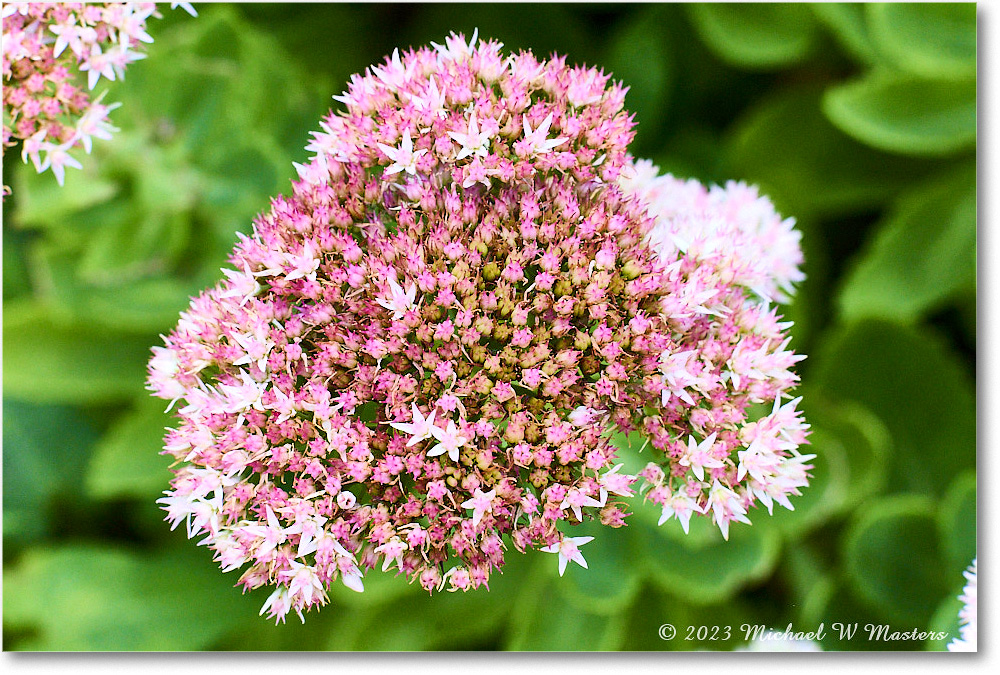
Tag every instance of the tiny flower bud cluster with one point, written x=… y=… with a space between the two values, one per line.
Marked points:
x=416 y=358
x=45 y=46
x=727 y=254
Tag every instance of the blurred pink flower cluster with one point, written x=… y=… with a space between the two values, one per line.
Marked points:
x=421 y=354
x=46 y=45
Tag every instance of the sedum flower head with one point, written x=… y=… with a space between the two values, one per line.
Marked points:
x=968 y=621
x=725 y=423
x=412 y=365
x=47 y=48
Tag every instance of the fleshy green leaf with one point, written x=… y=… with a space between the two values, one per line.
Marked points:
x=918 y=389
x=126 y=461
x=957 y=523
x=148 y=305
x=41 y=202
x=905 y=114
x=544 y=620
x=932 y=39
x=786 y=145
x=921 y=255
x=945 y=620
x=45 y=448
x=846 y=20
x=697 y=627
x=893 y=558
x=852 y=624
x=611 y=580
x=443 y=620
x=755 y=35
x=95 y=598
x=639 y=57
x=15 y=268
x=45 y=362
x=701 y=574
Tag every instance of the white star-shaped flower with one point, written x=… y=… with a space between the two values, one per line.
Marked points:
x=575 y=499
x=474 y=142
x=399 y=302
x=449 y=440
x=454 y=48
x=480 y=503
x=186 y=6
x=680 y=506
x=420 y=427
x=537 y=141
x=698 y=458
x=725 y=506
x=403 y=158
x=615 y=483
x=569 y=549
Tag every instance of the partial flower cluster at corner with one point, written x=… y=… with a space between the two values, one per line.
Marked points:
x=968 y=616
x=47 y=46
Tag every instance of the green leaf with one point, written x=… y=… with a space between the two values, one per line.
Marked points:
x=45 y=450
x=95 y=598
x=755 y=35
x=905 y=114
x=149 y=305
x=846 y=20
x=806 y=165
x=46 y=362
x=696 y=572
x=852 y=625
x=918 y=389
x=544 y=620
x=945 y=620
x=892 y=555
x=126 y=461
x=957 y=523
x=15 y=269
x=695 y=625
x=931 y=39
x=611 y=580
x=41 y=202
x=443 y=620
x=922 y=254
x=639 y=57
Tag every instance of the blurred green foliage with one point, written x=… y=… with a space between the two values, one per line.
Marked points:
x=858 y=120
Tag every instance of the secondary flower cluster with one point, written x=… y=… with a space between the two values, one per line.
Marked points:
x=419 y=354
x=727 y=255
x=45 y=45
x=968 y=616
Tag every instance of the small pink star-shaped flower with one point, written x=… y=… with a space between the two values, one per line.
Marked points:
x=698 y=458
x=473 y=142
x=420 y=428
x=680 y=506
x=450 y=440
x=403 y=158
x=399 y=301
x=536 y=140
x=480 y=503
x=569 y=549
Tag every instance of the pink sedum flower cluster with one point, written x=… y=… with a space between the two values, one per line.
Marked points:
x=727 y=255
x=46 y=48
x=418 y=357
